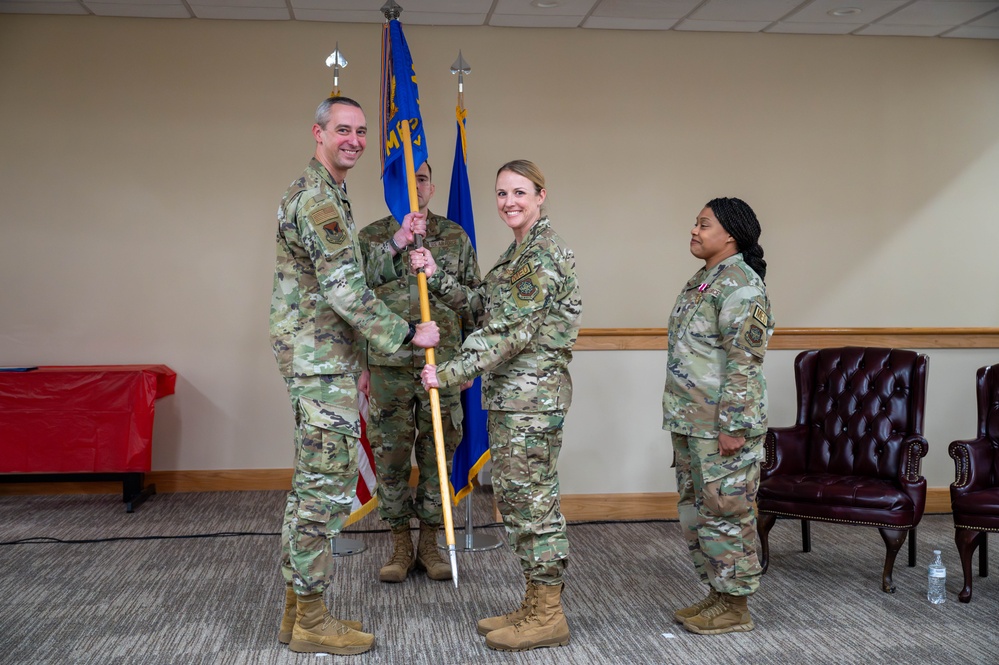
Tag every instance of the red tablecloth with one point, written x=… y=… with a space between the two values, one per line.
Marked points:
x=86 y=419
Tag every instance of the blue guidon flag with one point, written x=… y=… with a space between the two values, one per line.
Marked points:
x=473 y=451
x=400 y=103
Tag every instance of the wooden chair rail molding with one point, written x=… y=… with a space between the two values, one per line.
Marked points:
x=575 y=507
x=654 y=339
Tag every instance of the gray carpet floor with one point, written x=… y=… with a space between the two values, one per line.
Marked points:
x=218 y=599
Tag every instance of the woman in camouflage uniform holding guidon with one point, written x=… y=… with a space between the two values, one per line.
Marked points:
x=527 y=318
x=715 y=406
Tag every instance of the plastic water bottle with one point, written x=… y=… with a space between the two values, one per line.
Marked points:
x=937 y=580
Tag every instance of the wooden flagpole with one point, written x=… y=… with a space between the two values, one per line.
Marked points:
x=435 y=398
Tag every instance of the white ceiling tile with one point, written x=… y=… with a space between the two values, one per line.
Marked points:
x=610 y=23
x=939 y=12
x=741 y=10
x=242 y=13
x=443 y=7
x=817 y=11
x=577 y=8
x=644 y=9
x=135 y=3
x=23 y=7
x=367 y=6
x=433 y=18
x=339 y=16
x=520 y=21
x=814 y=28
x=901 y=30
x=989 y=21
x=138 y=11
x=722 y=26
x=237 y=3
x=975 y=32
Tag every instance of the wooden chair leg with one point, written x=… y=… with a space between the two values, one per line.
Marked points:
x=765 y=522
x=806 y=536
x=966 y=540
x=983 y=555
x=912 y=547
x=893 y=543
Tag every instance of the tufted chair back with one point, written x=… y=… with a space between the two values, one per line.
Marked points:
x=988 y=414
x=860 y=403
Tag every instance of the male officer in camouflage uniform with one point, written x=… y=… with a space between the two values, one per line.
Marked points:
x=321 y=314
x=715 y=405
x=400 y=416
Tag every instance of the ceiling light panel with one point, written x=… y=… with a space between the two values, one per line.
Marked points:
x=819 y=11
x=578 y=8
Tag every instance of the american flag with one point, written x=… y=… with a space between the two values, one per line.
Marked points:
x=365 y=499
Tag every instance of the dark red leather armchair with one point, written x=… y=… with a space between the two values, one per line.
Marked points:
x=974 y=495
x=853 y=455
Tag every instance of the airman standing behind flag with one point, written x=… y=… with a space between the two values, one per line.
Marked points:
x=322 y=314
x=715 y=406
x=400 y=418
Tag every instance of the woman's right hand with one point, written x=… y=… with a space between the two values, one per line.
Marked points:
x=422 y=258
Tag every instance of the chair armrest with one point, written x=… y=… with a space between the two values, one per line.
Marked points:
x=972 y=465
x=785 y=451
x=914 y=449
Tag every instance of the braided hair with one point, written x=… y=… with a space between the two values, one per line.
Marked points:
x=739 y=220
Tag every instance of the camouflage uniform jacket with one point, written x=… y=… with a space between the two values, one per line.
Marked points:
x=321 y=301
x=394 y=285
x=527 y=314
x=718 y=334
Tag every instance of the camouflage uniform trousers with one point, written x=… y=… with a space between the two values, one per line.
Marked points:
x=524 y=449
x=400 y=420
x=717 y=513
x=324 y=480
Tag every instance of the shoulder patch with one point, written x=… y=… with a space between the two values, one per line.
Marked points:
x=526 y=290
x=760 y=314
x=521 y=273
x=328 y=225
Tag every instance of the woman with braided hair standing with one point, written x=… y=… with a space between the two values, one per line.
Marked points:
x=715 y=407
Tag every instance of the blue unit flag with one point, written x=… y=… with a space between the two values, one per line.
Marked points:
x=400 y=103
x=473 y=451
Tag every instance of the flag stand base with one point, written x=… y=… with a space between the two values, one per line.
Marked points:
x=346 y=546
x=470 y=542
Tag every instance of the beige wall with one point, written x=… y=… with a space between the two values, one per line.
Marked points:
x=143 y=161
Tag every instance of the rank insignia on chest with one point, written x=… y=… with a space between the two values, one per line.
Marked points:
x=754 y=335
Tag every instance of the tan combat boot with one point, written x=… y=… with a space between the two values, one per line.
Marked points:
x=402 y=560
x=486 y=626
x=291 y=610
x=316 y=631
x=729 y=615
x=697 y=608
x=428 y=557
x=544 y=625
